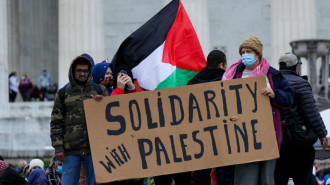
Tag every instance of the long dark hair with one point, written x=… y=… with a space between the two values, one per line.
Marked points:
x=12 y=74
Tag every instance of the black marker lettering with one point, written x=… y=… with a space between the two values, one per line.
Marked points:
x=254 y=95
x=194 y=135
x=160 y=111
x=151 y=124
x=210 y=129
x=109 y=165
x=143 y=152
x=192 y=101
x=243 y=135
x=224 y=101
x=116 y=157
x=184 y=146
x=159 y=147
x=257 y=145
x=175 y=158
x=174 y=98
x=227 y=136
x=238 y=99
x=111 y=118
x=124 y=152
x=131 y=103
x=207 y=101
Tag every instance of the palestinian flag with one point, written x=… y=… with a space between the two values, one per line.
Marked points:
x=162 y=53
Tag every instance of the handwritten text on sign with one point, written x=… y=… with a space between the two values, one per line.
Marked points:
x=180 y=129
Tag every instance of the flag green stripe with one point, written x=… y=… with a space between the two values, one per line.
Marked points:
x=179 y=77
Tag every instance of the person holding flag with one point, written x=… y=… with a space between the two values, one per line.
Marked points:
x=102 y=74
x=164 y=52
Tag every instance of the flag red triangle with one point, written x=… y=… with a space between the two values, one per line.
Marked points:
x=182 y=48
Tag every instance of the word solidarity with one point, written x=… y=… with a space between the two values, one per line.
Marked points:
x=180 y=129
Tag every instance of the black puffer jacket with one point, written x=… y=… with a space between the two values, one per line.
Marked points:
x=303 y=114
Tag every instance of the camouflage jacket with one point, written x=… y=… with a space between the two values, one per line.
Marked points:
x=68 y=131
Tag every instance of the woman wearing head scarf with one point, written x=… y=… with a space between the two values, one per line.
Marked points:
x=103 y=74
x=280 y=94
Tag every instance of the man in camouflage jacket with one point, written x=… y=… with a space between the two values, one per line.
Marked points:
x=68 y=130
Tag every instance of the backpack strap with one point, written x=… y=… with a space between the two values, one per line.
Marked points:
x=97 y=88
x=61 y=94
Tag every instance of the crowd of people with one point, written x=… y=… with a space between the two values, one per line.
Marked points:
x=297 y=122
x=32 y=173
x=44 y=90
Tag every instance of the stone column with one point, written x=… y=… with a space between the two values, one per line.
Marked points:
x=291 y=20
x=197 y=11
x=81 y=30
x=325 y=75
x=312 y=56
x=4 y=96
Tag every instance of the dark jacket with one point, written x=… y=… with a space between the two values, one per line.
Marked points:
x=207 y=74
x=25 y=86
x=38 y=177
x=303 y=114
x=283 y=97
x=11 y=177
x=68 y=130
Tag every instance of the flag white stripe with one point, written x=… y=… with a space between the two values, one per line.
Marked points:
x=151 y=71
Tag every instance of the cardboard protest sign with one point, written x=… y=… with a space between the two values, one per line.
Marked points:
x=180 y=129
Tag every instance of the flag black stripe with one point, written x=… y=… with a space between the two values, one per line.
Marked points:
x=141 y=43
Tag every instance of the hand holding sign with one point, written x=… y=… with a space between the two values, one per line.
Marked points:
x=180 y=129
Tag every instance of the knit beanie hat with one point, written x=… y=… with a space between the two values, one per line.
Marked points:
x=99 y=71
x=252 y=42
x=3 y=166
x=36 y=162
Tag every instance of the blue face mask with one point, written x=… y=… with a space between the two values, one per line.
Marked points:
x=59 y=169
x=248 y=59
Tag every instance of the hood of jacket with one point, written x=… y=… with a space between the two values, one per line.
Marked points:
x=207 y=74
x=72 y=68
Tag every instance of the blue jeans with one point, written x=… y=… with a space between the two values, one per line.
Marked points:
x=225 y=176
x=71 y=169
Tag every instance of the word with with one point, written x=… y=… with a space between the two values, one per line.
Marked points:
x=120 y=159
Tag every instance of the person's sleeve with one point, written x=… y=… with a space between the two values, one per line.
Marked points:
x=30 y=85
x=50 y=80
x=283 y=93
x=132 y=91
x=12 y=81
x=310 y=110
x=104 y=91
x=57 y=125
x=117 y=91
